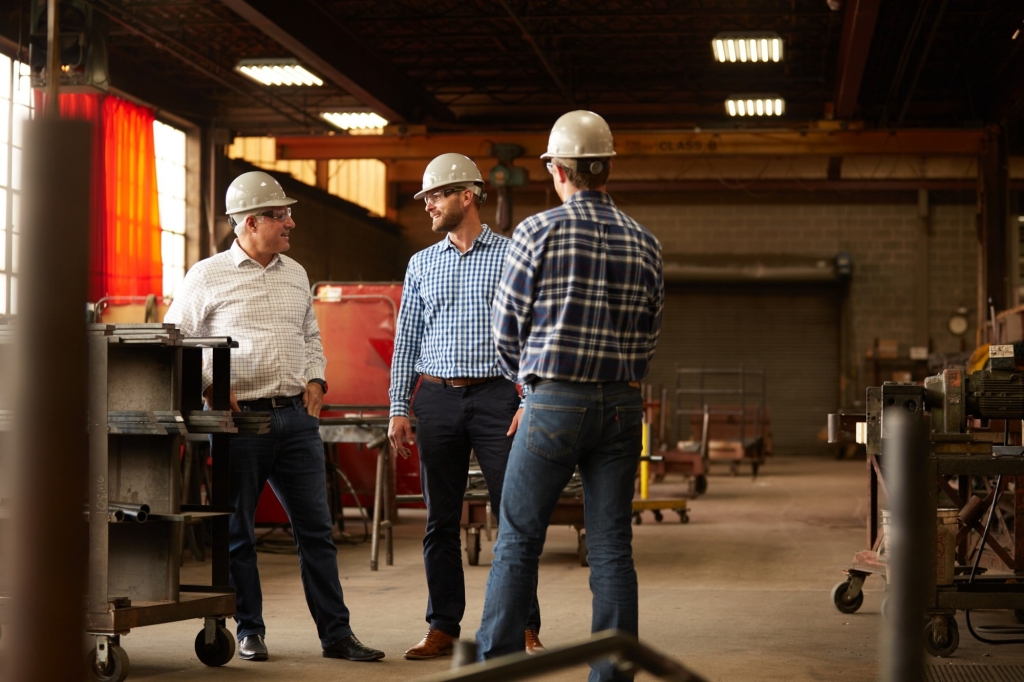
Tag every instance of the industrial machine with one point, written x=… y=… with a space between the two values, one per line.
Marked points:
x=962 y=460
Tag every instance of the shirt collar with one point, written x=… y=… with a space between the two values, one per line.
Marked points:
x=239 y=256
x=592 y=196
x=485 y=237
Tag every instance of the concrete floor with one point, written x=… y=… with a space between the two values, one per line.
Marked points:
x=739 y=593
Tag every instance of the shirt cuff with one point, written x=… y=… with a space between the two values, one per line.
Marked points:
x=399 y=410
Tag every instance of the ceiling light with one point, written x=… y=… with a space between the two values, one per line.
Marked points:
x=755 y=105
x=355 y=120
x=736 y=46
x=277 y=72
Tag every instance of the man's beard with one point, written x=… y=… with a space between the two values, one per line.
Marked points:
x=450 y=219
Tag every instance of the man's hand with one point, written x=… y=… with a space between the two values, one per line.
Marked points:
x=515 y=422
x=313 y=398
x=208 y=399
x=400 y=433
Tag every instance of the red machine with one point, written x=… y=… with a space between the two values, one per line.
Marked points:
x=357 y=328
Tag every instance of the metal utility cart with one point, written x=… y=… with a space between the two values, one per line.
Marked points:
x=956 y=459
x=726 y=407
x=145 y=384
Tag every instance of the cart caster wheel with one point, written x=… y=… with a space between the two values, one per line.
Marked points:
x=941 y=648
x=844 y=604
x=637 y=520
x=657 y=516
x=702 y=485
x=684 y=516
x=473 y=548
x=116 y=669
x=220 y=652
x=582 y=550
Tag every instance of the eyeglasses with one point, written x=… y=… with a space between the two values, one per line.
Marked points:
x=439 y=194
x=277 y=213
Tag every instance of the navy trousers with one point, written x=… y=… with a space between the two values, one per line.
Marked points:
x=449 y=423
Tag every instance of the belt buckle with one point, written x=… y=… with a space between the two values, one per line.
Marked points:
x=274 y=402
x=458 y=383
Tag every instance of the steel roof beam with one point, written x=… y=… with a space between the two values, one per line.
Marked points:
x=314 y=36
x=858 y=28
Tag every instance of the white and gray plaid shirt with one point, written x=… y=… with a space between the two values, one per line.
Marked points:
x=268 y=311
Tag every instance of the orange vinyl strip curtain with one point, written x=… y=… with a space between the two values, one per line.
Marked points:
x=124 y=258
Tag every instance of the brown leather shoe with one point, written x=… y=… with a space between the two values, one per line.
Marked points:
x=533 y=645
x=434 y=644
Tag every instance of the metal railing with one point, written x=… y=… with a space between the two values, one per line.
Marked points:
x=626 y=651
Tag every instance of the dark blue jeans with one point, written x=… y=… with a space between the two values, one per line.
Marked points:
x=449 y=423
x=291 y=459
x=598 y=428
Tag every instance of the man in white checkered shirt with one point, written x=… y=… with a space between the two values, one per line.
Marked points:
x=463 y=403
x=261 y=299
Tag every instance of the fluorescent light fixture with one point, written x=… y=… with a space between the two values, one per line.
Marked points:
x=355 y=120
x=277 y=72
x=737 y=46
x=755 y=105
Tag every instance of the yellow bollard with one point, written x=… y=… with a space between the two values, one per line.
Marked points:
x=645 y=464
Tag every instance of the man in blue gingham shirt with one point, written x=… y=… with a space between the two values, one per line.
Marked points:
x=576 y=318
x=463 y=402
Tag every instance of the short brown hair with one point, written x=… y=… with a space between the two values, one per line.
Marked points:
x=582 y=178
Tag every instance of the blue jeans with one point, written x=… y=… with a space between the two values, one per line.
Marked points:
x=597 y=427
x=449 y=423
x=291 y=459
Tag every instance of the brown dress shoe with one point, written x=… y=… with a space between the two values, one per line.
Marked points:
x=434 y=644
x=533 y=645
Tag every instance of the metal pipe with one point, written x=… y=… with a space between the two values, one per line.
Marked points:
x=52 y=351
x=903 y=447
x=378 y=494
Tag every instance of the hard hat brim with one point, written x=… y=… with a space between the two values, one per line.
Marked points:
x=550 y=155
x=270 y=203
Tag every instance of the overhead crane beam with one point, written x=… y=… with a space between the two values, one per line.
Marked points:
x=931 y=142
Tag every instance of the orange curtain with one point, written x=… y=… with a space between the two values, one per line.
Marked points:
x=134 y=266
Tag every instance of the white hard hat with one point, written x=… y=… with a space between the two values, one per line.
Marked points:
x=580 y=135
x=451 y=169
x=254 y=190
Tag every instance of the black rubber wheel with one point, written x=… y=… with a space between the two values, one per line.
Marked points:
x=637 y=520
x=220 y=652
x=702 y=485
x=842 y=603
x=1018 y=615
x=473 y=548
x=581 y=549
x=684 y=516
x=658 y=516
x=941 y=649
x=116 y=669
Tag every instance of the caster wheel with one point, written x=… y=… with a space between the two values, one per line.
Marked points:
x=582 y=550
x=945 y=646
x=637 y=520
x=684 y=516
x=842 y=602
x=702 y=485
x=1018 y=615
x=116 y=669
x=220 y=652
x=473 y=549
x=657 y=516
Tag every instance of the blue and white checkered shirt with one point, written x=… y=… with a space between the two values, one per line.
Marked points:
x=444 y=324
x=581 y=295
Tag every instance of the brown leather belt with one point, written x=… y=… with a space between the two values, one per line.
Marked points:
x=459 y=382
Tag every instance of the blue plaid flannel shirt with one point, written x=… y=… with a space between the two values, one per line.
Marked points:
x=581 y=295
x=444 y=320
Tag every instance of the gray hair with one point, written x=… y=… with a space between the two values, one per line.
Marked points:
x=239 y=222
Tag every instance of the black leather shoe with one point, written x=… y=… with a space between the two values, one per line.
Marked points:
x=352 y=649
x=253 y=648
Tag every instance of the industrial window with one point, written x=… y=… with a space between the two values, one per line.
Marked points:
x=15 y=109
x=169 y=143
x=361 y=181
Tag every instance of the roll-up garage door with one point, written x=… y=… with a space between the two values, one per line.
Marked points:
x=789 y=330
